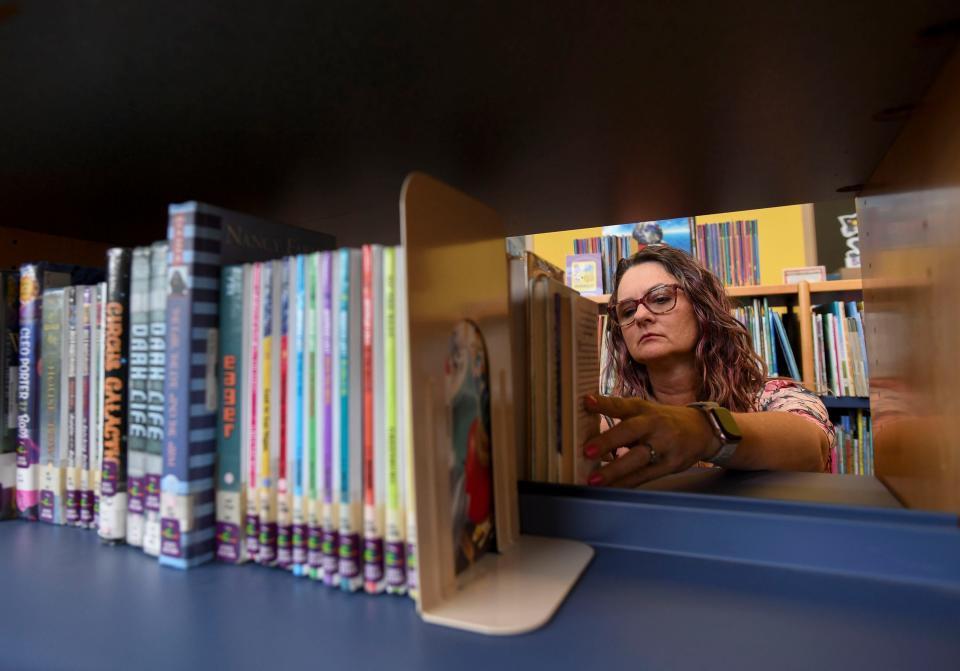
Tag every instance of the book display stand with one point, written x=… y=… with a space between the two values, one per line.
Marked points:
x=455 y=247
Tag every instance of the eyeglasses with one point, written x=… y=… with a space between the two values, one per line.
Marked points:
x=659 y=300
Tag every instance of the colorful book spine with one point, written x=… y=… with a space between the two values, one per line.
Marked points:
x=52 y=476
x=9 y=337
x=266 y=492
x=350 y=408
x=299 y=387
x=99 y=399
x=86 y=304
x=313 y=426
x=251 y=532
x=287 y=435
x=229 y=491
x=374 y=420
x=394 y=522
x=156 y=400
x=113 y=483
x=137 y=407
x=404 y=425
x=330 y=454
x=28 y=390
x=69 y=359
x=187 y=524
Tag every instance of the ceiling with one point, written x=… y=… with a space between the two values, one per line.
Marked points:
x=559 y=115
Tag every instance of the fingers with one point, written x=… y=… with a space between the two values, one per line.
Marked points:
x=629 y=432
x=638 y=477
x=636 y=459
x=615 y=406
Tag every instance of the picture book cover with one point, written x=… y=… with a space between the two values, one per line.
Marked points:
x=471 y=469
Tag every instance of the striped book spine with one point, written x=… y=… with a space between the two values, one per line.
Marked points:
x=28 y=390
x=313 y=420
x=86 y=301
x=187 y=492
x=329 y=461
x=300 y=387
x=139 y=371
x=251 y=531
x=156 y=401
x=52 y=507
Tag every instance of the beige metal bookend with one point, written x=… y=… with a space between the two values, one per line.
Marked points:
x=457 y=274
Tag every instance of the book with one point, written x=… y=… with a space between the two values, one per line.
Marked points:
x=69 y=360
x=296 y=415
x=785 y=345
x=156 y=400
x=137 y=381
x=312 y=421
x=9 y=336
x=254 y=413
x=230 y=507
x=113 y=483
x=286 y=436
x=374 y=419
x=86 y=307
x=53 y=414
x=99 y=400
x=394 y=556
x=329 y=455
x=268 y=424
x=584 y=366
x=349 y=407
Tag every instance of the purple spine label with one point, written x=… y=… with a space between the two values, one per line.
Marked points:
x=411 y=566
x=395 y=561
x=228 y=542
x=135 y=496
x=315 y=546
x=268 y=543
x=96 y=509
x=284 y=547
x=73 y=507
x=251 y=533
x=108 y=483
x=331 y=562
x=373 y=559
x=46 y=506
x=170 y=538
x=349 y=566
x=86 y=508
x=152 y=495
x=299 y=544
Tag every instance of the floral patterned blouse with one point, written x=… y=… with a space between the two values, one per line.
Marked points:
x=780 y=395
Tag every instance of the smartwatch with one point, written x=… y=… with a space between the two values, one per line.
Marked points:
x=725 y=427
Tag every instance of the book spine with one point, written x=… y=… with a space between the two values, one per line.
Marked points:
x=86 y=302
x=52 y=507
x=313 y=421
x=375 y=468
x=187 y=524
x=266 y=542
x=113 y=483
x=404 y=423
x=252 y=522
x=300 y=387
x=137 y=408
x=287 y=402
x=9 y=337
x=156 y=401
x=350 y=372
x=229 y=490
x=69 y=361
x=329 y=282
x=394 y=554
x=100 y=399
x=28 y=390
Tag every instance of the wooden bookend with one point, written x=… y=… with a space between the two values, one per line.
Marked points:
x=457 y=272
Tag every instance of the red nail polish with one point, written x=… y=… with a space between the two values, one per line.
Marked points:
x=591 y=451
x=595 y=479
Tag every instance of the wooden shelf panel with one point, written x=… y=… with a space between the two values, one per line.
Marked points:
x=773 y=289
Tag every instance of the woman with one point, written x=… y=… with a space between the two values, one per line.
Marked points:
x=673 y=342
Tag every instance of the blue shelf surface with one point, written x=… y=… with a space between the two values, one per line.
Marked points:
x=72 y=603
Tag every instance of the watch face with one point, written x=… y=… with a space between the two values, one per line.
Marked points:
x=727 y=423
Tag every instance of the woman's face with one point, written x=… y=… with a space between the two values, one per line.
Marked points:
x=657 y=338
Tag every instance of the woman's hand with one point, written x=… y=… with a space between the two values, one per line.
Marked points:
x=662 y=439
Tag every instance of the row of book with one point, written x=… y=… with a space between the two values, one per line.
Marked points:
x=853 y=452
x=769 y=337
x=611 y=248
x=731 y=249
x=313 y=449
x=840 y=350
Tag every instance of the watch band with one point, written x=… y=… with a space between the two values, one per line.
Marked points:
x=725 y=428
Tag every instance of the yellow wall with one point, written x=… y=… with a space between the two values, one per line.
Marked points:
x=780 y=230
x=554 y=247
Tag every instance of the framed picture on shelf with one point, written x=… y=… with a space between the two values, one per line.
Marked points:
x=804 y=274
x=585 y=274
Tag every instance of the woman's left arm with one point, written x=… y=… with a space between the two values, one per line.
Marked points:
x=667 y=439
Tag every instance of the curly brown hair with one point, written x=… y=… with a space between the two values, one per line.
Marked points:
x=731 y=373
